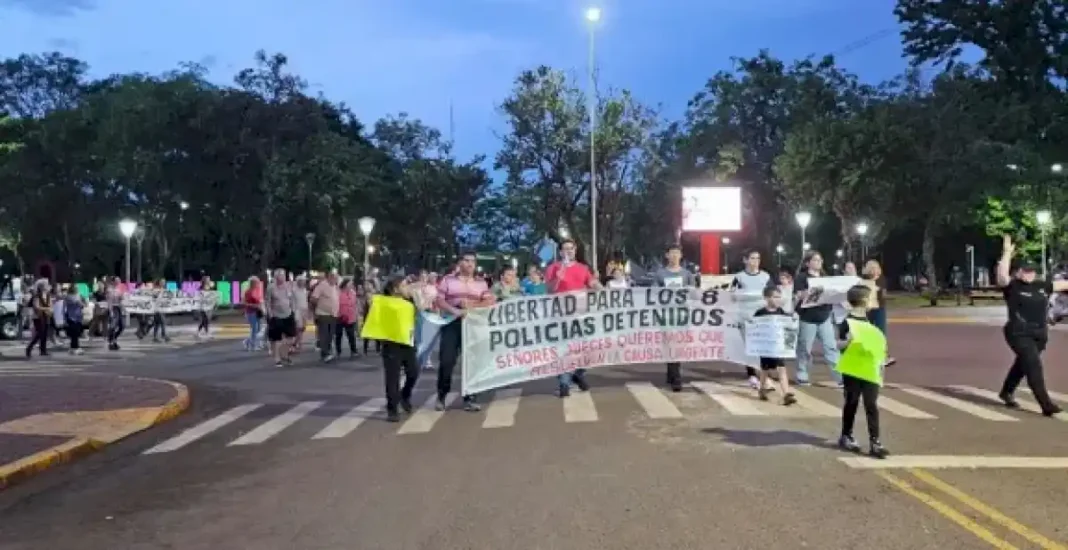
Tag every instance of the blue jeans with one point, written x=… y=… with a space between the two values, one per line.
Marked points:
x=878 y=318
x=565 y=379
x=807 y=334
x=253 y=328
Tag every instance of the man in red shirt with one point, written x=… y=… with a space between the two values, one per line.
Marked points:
x=568 y=275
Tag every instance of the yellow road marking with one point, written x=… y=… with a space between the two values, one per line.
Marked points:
x=988 y=511
x=948 y=512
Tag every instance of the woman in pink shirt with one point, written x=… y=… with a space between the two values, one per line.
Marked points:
x=253 y=301
x=346 y=317
x=456 y=294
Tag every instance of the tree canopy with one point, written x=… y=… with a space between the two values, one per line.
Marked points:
x=234 y=179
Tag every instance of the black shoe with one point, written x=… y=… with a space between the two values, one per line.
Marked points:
x=789 y=399
x=848 y=444
x=29 y=353
x=406 y=404
x=113 y=346
x=763 y=393
x=392 y=416
x=565 y=391
x=877 y=450
x=1053 y=411
x=676 y=386
x=580 y=381
x=1009 y=400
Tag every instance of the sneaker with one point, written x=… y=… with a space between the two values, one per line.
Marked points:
x=279 y=364
x=580 y=381
x=848 y=444
x=440 y=405
x=472 y=406
x=676 y=386
x=392 y=416
x=406 y=404
x=789 y=399
x=79 y=351
x=802 y=382
x=763 y=393
x=877 y=450
x=1009 y=400
x=754 y=382
x=1052 y=412
x=564 y=391
x=890 y=361
x=113 y=346
x=328 y=358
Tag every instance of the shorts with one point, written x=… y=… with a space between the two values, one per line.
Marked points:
x=281 y=327
x=771 y=363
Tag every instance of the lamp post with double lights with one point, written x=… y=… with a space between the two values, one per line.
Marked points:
x=803 y=219
x=367 y=225
x=1044 y=217
x=593 y=17
x=862 y=232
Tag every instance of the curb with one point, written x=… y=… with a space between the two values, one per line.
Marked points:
x=79 y=447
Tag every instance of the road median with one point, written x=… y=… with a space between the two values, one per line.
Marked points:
x=52 y=420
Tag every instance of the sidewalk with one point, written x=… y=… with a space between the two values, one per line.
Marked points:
x=49 y=420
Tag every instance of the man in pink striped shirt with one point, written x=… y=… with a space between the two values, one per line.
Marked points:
x=457 y=293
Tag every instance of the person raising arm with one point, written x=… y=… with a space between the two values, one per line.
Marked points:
x=569 y=275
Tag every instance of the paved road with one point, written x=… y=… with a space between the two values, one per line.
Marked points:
x=300 y=458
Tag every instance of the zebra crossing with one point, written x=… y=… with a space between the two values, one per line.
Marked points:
x=60 y=361
x=265 y=422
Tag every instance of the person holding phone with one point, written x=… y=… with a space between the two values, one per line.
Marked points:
x=569 y=275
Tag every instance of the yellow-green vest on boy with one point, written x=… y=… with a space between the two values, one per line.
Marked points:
x=865 y=355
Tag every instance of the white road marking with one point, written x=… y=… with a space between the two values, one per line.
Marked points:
x=579 y=407
x=1058 y=396
x=903 y=409
x=993 y=397
x=203 y=429
x=726 y=398
x=501 y=411
x=815 y=406
x=655 y=403
x=275 y=425
x=345 y=424
x=423 y=419
x=958 y=404
x=935 y=462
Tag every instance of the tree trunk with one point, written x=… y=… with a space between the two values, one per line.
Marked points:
x=930 y=233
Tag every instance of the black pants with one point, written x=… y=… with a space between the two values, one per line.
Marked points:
x=367 y=346
x=205 y=322
x=159 y=326
x=855 y=389
x=74 y=332
x=349 y=330
x=324 y=331
x=1028 y=345
x=448 y=354
x=116 y=324
x=41 y=326
x=674 y=374
x=394 y=358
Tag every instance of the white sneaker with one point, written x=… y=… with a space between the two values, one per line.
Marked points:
x=754 y=382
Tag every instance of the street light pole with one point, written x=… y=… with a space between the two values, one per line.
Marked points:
x=862 y=230
x=310 y=239
x=778 y=256
x=803 y=219
x=593 y=15
x=726 y=258
x=1044 y=217
x=140 y=254
x=367 y=225
x=127 y=227
x=182 y=206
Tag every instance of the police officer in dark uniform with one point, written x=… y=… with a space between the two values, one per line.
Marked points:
x=1026 y=330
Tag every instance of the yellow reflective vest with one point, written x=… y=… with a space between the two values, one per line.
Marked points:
x=390 y=319
x=865 y=355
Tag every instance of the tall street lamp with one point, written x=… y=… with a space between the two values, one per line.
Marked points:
x=726 y=259
x=803 y=219
x=778 y=256
x=344 y=260
x=593 y=16
x=182 y=207
x=862 y=231
x=127 y=227
x=367 y=225
x=310 y=239
x=1043 y=217
x=1057 y=168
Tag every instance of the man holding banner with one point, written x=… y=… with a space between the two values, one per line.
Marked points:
x=569 y=275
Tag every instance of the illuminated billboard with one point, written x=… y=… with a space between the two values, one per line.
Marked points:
x=711 y=209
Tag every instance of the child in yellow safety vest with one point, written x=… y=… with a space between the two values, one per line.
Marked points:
x=861 y=366
x=391 y=320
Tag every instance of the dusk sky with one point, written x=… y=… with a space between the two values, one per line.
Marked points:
x=387 y=56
